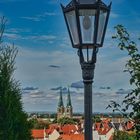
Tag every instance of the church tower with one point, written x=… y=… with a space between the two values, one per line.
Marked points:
x=60 y=108
x=68 y=109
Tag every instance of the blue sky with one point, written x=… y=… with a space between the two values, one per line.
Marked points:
x=46 y=59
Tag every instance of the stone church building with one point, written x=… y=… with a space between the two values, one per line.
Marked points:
x=64 y=111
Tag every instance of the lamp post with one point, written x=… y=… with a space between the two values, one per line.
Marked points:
x=86 y=22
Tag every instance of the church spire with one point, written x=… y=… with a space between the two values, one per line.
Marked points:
x=69 y=99
x=60 y=103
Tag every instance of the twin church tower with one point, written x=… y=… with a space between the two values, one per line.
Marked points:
x=64 y=111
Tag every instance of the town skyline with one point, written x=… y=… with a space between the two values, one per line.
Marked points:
x=47 y=61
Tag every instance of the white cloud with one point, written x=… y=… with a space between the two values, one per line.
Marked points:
x=39 y=17
x=114 y=15
x=48 y=101
x=33 y=66
x=110 y=72
x=17 y=30
x=41 y=37
x=12 y=36
x=32 y=18
x=33 y=69
x=50 y=14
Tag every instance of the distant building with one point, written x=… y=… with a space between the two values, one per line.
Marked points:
x=68 y=109
x=60 y=108
x=103 y=130
x=45 y=134
x=64 y=111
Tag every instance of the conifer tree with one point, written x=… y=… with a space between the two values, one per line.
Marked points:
x=13 y=120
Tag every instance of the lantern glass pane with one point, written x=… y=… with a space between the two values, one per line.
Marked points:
x=87 y=18
x=71 y=19
x=101 y=26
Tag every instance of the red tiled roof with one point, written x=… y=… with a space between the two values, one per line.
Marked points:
x=49 y=131
x=103 y=127
x=73 y=137
x=97 y=126
x=54 y=126
x=38 y=133
x=129 y=125
x=69 y=129
x=104 y=131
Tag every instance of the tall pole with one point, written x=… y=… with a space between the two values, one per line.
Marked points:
x=88 y=75
x=79 y=40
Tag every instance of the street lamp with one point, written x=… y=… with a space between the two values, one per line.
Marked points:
x=86 y=22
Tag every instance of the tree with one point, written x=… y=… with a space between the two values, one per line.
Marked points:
x=13 y=120
x=120 y=135
x=66 y=120
x=132 y=100
x=39 y=124
x=96 y=119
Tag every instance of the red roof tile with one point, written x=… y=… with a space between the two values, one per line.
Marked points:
x=97 y=126
x=72 y=137
x=129 y=125
x=49 y=131
x=38 y=133
x=69 y=129
x=104 y=131
x=54 y=126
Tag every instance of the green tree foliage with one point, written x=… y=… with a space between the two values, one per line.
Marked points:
x=36 y=124
x=13 y=121
x=120 y=135
x=54 y=115
x=66 y=120
x=132 y=100
x=96 y=119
